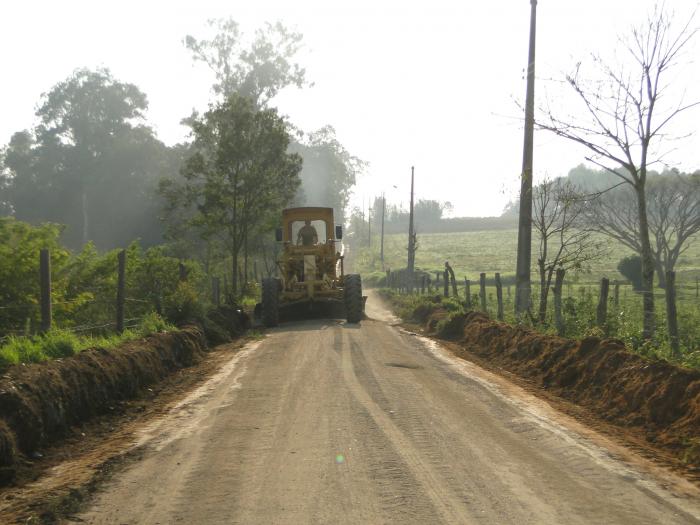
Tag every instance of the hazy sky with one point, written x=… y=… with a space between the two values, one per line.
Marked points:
x=430 y=84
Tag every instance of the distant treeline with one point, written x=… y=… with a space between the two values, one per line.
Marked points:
x=457 y=224
x=428 y=218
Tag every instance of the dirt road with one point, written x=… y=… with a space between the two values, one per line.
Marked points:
x=323 y=422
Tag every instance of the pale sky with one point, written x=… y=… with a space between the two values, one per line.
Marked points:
x=429 y=84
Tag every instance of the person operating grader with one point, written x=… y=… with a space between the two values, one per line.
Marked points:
x=307 y=234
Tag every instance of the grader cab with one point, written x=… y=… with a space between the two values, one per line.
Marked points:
x=311 y=273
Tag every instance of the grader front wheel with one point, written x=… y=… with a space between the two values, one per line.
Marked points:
x=270 y=302
x=353 y=298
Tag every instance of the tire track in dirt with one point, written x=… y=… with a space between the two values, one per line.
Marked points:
x=450 y=509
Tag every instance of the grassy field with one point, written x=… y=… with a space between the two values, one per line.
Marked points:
x=471 y=253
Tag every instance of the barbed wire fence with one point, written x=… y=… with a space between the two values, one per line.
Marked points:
x=609 y=298
x=42 y=312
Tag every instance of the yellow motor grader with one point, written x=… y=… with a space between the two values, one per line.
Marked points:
x=311 y=273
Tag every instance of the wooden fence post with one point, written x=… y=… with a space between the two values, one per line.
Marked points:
x=672 y=314
x=467 y=293
x=558 y=287
x=499 y=296
x=602 y=310
x=45 y=289
x=430 y=284
x=616 y=293
x=121 y=289
x=446 y=283
x=158 y=302
x=216 y=291
x=226 y=296
x=455 y=292
x=482 y=291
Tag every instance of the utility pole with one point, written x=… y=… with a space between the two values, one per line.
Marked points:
x=45 y=289
x=522 y=272
x=121 y=290
x=369 y=224
x=381 y=250
x=411 y=240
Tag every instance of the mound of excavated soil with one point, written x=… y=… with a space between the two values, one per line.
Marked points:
x=41 y=402
x=659 y=399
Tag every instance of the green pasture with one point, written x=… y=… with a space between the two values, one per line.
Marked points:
x=471 y=253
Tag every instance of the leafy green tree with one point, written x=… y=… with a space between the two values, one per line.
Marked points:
x=91 y=163
x=259 y=71
x=239 y=175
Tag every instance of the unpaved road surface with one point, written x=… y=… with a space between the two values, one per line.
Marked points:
x=323 y=422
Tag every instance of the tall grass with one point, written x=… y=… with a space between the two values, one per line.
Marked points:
x=63 y=343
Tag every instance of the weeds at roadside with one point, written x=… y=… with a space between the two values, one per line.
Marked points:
x=255 y=334
x=580 y=322
x=58 y=344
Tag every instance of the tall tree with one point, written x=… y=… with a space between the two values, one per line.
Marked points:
x=91 y=163
x=329 y=171
x=258 y=71
x=626 y=115
x=239 y=175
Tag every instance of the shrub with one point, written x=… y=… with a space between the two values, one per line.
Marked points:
x=631 y=268
x=183 y=304
x=153 y=323
x=58 y=343
x=8 y=356
x=23 y=350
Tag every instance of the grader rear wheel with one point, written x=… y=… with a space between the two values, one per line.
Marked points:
x=353 y=298
x=270 y=302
